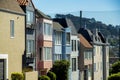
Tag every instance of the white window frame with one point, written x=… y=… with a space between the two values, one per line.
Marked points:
x=74 y=64
x=68 y=38
x=30 y=17
x=29 y=44
x=58 y=38
x=58 y=56
x=46 y=56
x=5 y=56
x=47 y=29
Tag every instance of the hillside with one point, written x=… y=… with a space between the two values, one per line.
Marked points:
x=107 y=30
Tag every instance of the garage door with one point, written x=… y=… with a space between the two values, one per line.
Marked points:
x=1 y=69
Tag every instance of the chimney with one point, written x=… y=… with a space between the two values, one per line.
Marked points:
x=80 y=19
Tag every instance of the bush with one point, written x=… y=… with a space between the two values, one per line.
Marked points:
x=17 y=76
x=43 y=77
x=115 y=68
x=27 y=69
x=114 y=77
x=60 y=68
x=52 y=75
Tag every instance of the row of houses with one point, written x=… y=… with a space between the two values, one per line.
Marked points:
x=31 y=38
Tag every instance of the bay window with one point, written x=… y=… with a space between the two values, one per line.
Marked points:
x=47 y=29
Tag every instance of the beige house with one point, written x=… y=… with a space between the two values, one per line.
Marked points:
x=12 y=38
x=100 y=58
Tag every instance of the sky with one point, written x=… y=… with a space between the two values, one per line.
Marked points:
x=107 y=11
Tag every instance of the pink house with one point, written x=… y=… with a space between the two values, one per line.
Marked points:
x=44 y=42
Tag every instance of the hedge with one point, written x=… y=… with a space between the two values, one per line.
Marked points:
x=17 y=76
x=52 y=75
x=43 y=77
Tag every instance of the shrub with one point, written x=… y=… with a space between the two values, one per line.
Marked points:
x=17 y=76
x=43 y=77
x=114 y=76
x=115 y=67
x=27 y=69
x=52 y=75
x=60 y=68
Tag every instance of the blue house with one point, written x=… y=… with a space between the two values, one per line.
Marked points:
x=57 y=41
x=69 y=46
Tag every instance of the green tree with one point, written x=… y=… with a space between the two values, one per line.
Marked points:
x=43 y=77
x=60 y=68
x=114 y=76
x=52 y=75
x=115 y=68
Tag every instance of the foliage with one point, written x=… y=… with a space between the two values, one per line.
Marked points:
x=52 y=75
x=43 y=77
x=115 y=67
x=27 y=69
x=60 y=68
x=114 y=76
x=17 y=76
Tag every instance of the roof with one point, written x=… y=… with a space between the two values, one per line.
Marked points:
x=84 y=42
x=87 y=34
x=22 y=2
x=10 y=5
x=41 y=14
x=57 y=26
x=65 y=22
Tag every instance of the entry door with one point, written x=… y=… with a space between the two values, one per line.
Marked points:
x=2 y=69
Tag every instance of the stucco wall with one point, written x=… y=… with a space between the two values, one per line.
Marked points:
x=31 y=75
x=98 y=74
x=14 y=47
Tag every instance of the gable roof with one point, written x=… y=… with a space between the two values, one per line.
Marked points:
x=84 y=42
x=41 y=14
x=65 y=22
x=87 y=34
x=57 y=26
x=10 y=5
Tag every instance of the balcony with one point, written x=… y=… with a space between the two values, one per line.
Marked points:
x=30 y=58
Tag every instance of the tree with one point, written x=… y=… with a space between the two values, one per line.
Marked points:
x=114 y=76
x=52 y=75
x=60 y=68
x=115 y=67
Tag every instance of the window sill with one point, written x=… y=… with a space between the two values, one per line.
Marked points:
x=12 y=37
x=58 y=44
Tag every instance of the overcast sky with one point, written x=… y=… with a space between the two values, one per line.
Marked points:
x=107 y=11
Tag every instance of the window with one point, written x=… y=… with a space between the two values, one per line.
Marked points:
x=95 y=67
x=73 y=64
x=30 y=46
x=89 y=72
x=40 y=53
x=58 y=38
x=57 y=56
x=47 y=29
x=88 y=54
x=47 y=53
x=74 y=45
x=11 y=28
x=68 y=38
x=30 y=17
